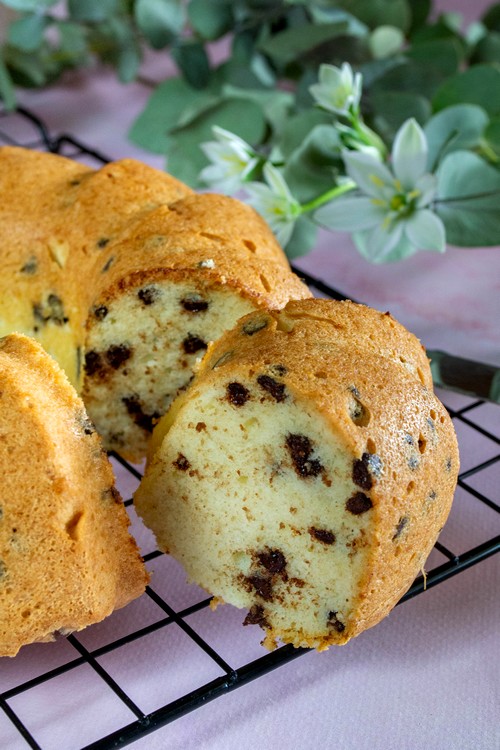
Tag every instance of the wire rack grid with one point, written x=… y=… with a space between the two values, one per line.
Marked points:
x=175 y=613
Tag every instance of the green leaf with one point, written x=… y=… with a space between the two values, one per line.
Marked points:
x=294 y=42
x=410 y=77
x=159 y=20
x=275 y=105
x=303 y=238
x=478 y=85
x=380 y=12
x=454 y=128
x=193 y=62
x=311 y=169
x=6 y=88
x=487 y=49
x=491 y=18
x=211 y=20
x=72 y=40
x=491 y=136
x=297 y=128
x=420 y=11
x=385 y=41
x=445 y=55
x=93 y=10
x=151 y=130
x=392 y=109
x=468 y=199
x=27 y=6
x=27 y=33
x=241 y=117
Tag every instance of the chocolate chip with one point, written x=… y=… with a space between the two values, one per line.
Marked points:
x=93 y=363
x=300 y=449
x=413 y=463
x=117 y=354
x=448 y=464
x=194 y=304
x=256 y=616
x=361 y=475
x=85 y=423
x=254 y=326
x=192 y=344
x=402 y=524
x=148 y=295
x=100 y=312
x=181 y=462
x=237 y=394
x=102 y=242
x=335 y=623
x=273 y=560
x=200 y=426
x=108 y=264
x=262 y=585
x=51 y=310
x=30 y=267
x=278 y=370
x=408 y=439
x=3 y=570
x=358 y=503
x=275 y=389
x=322 y=535
x=139 y=416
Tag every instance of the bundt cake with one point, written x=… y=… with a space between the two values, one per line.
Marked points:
x=125 y=275
x=306 y=472
x=66 y=557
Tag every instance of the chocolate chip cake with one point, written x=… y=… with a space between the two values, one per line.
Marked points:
x=125 y=275
x=66 y=557
x=306 y=472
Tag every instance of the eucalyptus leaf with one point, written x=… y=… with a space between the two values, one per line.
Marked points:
x=159 y=20
x=297 y=128
x=454 y=128
x=491 y=136
x=211 y=20
x=391 y=110
x=162 y=113
x=487 y=49
x=385 y=41
x=445 y=55
x=468 y=199
x=275 y=105
x=93 y=10
x=27 y=6
x=27 y=33
x=410 y=77
x=420 y=11
x=303 y=238
x=241 y=117
x=311 y=169
x=192 y=59
x=73 y=43
x=354 y=27
x=296 y=41
x=7 y=92
x=479 y=85
x=491 y=17
x=379 y=12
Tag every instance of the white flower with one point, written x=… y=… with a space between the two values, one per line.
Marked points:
x=233 y=160
x=338 y=90
x=275 y=203
x=393 y=219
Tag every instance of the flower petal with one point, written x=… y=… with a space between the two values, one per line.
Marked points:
x=370 y=175
x=377 y=244
x=409 y=153
x=350 y=214
x=277 y=183
x=426 y=186
x=426 y=231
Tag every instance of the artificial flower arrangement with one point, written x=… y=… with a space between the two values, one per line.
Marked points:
x=373 y=117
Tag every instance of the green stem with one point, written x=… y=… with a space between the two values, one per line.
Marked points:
x=328 y=196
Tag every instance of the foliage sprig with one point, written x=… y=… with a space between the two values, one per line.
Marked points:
x=369 y=116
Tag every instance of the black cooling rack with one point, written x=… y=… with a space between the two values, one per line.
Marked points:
x=180 y=609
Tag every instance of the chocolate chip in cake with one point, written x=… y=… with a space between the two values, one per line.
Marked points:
x=273 y=560
x=30 y=267
x=358 y=412
x=300 y=448
x=149 y=295
x=51 y=310
x=254 y=326
x=111 y=494
x=271 y=386
x=117 y=354
x=335 y=623
x=108 y=264
x=413 y=463
x=181 y=463
x=322 y=535
x=93 y=363
x=361 y=474
x=256 y=616
x=402 y=524
x=222 y=360
x=237 y=394
x=85 y=423
x=262 y=585
x=3 y=570
x=100 y=312
x=194 y=304
x=358 y=503
x=192 y=344
x=278 y=370
x=200 y=426
x=102 y=242
x=139 y=416
x=448 y=464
